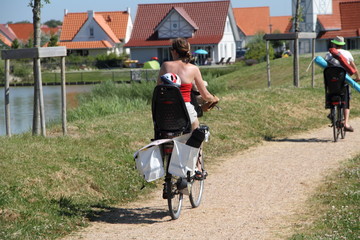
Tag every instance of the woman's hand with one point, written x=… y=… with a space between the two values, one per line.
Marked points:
x=210 y=105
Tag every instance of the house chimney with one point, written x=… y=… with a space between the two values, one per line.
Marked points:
x=128 y=10
x=65 y=12
x=91 y=14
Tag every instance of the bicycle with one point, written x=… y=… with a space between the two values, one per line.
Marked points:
x=335 y=92
x=176 y=187
x=171 y=120
x=337 y=118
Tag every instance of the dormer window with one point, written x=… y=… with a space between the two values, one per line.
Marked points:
x=177 y=23
x=91 y=32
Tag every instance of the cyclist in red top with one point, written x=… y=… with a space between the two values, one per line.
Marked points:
x=189 y=75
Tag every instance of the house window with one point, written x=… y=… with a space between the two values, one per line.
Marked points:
x=91 y=32
x=351 y=44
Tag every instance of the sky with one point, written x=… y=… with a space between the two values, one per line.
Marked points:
x=18 y=10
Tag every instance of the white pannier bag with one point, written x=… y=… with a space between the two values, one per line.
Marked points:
x=183 y=159
x=149 y=161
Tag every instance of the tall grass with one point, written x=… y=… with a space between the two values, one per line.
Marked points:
x=335 y=208
x=52 y=186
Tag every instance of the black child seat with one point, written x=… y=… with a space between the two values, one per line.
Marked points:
x=169 y=112
x=335 y=89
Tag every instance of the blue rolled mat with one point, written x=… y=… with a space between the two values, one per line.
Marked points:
x=322 y=63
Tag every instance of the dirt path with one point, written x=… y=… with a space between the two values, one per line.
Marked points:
x=254 y=195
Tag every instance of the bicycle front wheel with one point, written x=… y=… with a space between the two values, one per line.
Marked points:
x=342 y=122
x=197 y=187
x=174 y=197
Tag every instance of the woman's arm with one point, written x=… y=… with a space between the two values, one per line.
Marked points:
x=161 y=72
x=205 y=94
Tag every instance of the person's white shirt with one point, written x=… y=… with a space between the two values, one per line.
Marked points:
x=335 y=62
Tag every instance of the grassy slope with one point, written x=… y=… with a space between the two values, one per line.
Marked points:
x=49 y=186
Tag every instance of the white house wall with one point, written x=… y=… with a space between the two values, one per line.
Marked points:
x=84 y=33
x=129 y=29
x=227 y=46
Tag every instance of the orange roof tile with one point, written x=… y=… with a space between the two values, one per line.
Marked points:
x=116 y=21
x=86 y=45
x=350 y=15
x=23 y=31
x=5 y=40
x=71 y=25
x=253 y=19
x=209 y=16
x=48 y=30
x=7 y=32
x=343 y=33
x=101 y=21
x=280 y=23
x=332 y=21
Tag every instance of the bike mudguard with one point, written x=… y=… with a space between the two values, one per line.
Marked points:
x=344 y=63
x=322 y=63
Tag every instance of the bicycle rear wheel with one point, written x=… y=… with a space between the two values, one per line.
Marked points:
x=334 y=119
x=174 y=197
x=197 y=187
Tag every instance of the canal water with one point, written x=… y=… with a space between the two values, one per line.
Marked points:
x=21 y=105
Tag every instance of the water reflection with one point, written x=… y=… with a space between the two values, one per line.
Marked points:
x=21 y=105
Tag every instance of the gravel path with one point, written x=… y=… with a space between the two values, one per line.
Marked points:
x=254 y=195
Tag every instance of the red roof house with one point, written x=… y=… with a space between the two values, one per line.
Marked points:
x=22 y=32
x=207 y=25
x=253 y=20
x=7 y=36
x=94 y=33
x=341 y=20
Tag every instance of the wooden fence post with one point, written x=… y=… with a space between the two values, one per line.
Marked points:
x=313 y=66
x=268 y=64
x=7 y=97
x=40 y=96
x=63 y=96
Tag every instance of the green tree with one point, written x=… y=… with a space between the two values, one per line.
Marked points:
x=24 y=21
x=53 y=23
x=53 y=42
x=257 y=48
x=15 y=44
x=29 y=44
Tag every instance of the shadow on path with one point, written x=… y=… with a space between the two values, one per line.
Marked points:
x=309 y=140
x=146 y=215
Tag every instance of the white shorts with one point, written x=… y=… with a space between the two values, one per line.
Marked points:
x=191 y=111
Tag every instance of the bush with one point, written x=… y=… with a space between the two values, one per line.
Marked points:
x=257 y=49
x=77 y=62
x=2 y=71
x=23 y=70
x=110 y=61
